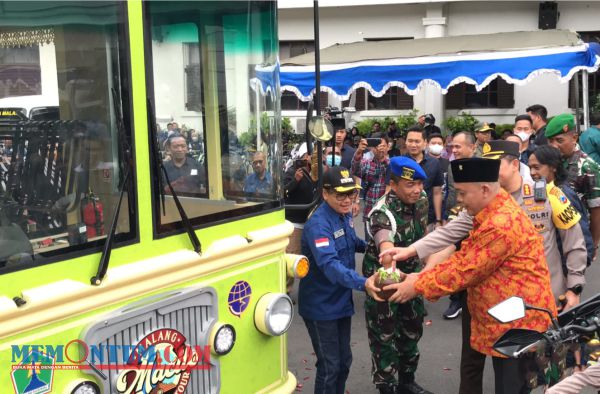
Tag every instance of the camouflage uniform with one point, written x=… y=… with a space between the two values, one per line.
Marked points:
x=584 y=177
x=394 y=329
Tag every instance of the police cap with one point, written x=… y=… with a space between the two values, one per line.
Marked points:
x=497 y=149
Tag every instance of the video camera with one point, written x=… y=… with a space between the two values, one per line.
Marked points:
x=333 y=112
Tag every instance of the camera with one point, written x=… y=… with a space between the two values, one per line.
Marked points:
x=373 y=142
x=299 y=163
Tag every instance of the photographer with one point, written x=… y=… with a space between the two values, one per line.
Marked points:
x=427 y=122
x=299 y=188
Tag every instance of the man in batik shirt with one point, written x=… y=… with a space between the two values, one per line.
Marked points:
x=503 y=257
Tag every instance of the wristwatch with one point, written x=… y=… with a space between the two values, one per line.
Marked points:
x=577 y=289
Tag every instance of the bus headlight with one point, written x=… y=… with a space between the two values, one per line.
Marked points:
x=86 y=387
x=273 y=314
x=222 y=339
x=297 y=265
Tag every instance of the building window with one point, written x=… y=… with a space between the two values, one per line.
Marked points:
x=288 y=49
x=394 y=98
x=20 y=73
x=593 y=78
x=498 y=94
x=290 y=102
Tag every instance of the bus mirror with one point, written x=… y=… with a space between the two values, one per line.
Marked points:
x=320 y=128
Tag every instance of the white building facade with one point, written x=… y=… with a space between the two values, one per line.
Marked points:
x=379 y=20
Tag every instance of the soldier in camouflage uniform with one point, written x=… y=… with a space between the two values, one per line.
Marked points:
x=399 y=218
x=583 y=172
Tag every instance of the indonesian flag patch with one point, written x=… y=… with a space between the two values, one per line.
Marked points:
x=321 y=242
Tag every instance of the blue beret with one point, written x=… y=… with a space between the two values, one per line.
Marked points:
x=406 y=168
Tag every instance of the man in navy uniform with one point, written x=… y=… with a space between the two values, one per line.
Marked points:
x=325 y=295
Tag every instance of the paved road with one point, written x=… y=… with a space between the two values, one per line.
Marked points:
x=440 y=347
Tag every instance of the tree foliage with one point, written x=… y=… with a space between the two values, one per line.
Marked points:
x=403 y=122
x=463 y=122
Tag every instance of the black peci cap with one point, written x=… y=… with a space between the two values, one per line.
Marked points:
x=475 y=170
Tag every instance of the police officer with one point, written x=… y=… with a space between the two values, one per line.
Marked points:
x=552 y=212
x=325 y=294
x=398 y=219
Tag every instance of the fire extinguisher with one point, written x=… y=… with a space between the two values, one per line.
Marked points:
x=92 y=212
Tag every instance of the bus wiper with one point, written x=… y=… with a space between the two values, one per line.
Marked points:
x=161 y=168
x=126 y=166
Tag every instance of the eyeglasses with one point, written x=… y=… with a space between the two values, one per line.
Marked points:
x=255 y=162
x=342 y=196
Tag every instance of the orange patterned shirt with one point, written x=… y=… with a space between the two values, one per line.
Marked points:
x=502 y=257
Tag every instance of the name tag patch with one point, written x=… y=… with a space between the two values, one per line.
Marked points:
x=194 y=171
x=339 y=233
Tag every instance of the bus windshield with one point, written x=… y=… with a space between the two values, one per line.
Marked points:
x=217 y=129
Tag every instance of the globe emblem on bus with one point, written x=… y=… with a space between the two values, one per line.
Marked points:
x=239 y=297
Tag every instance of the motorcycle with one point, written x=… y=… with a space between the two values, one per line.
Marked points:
x=580 y=324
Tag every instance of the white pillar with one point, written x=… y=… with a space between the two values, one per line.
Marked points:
x=430 y=100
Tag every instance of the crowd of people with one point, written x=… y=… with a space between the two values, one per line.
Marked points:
x=474 y=215
x=183 y=159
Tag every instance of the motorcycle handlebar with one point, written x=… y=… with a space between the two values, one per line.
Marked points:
x=561 y=334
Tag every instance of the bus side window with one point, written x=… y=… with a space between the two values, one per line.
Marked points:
x=60 y=168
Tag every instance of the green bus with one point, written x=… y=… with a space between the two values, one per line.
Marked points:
x=142 y=230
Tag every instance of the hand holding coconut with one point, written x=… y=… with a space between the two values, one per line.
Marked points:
x=403 y=291
x=386 y=278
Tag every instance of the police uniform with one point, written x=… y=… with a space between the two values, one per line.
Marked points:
x=583 y=172
x=325 y=294
x=394 y=329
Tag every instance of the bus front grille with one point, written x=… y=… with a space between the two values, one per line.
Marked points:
x=191 y=312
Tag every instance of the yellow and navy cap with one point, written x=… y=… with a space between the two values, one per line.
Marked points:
x=406 y=168
x=339 y=179
x=499 y=148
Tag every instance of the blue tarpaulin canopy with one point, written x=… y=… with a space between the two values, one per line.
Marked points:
x=516 y=57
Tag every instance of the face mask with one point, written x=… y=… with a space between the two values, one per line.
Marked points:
x=336 y=160
x=436 y=149
x=195 y=139
x=523 y=135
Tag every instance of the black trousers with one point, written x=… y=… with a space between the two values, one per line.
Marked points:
x=472 y=362
x=509 y=375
